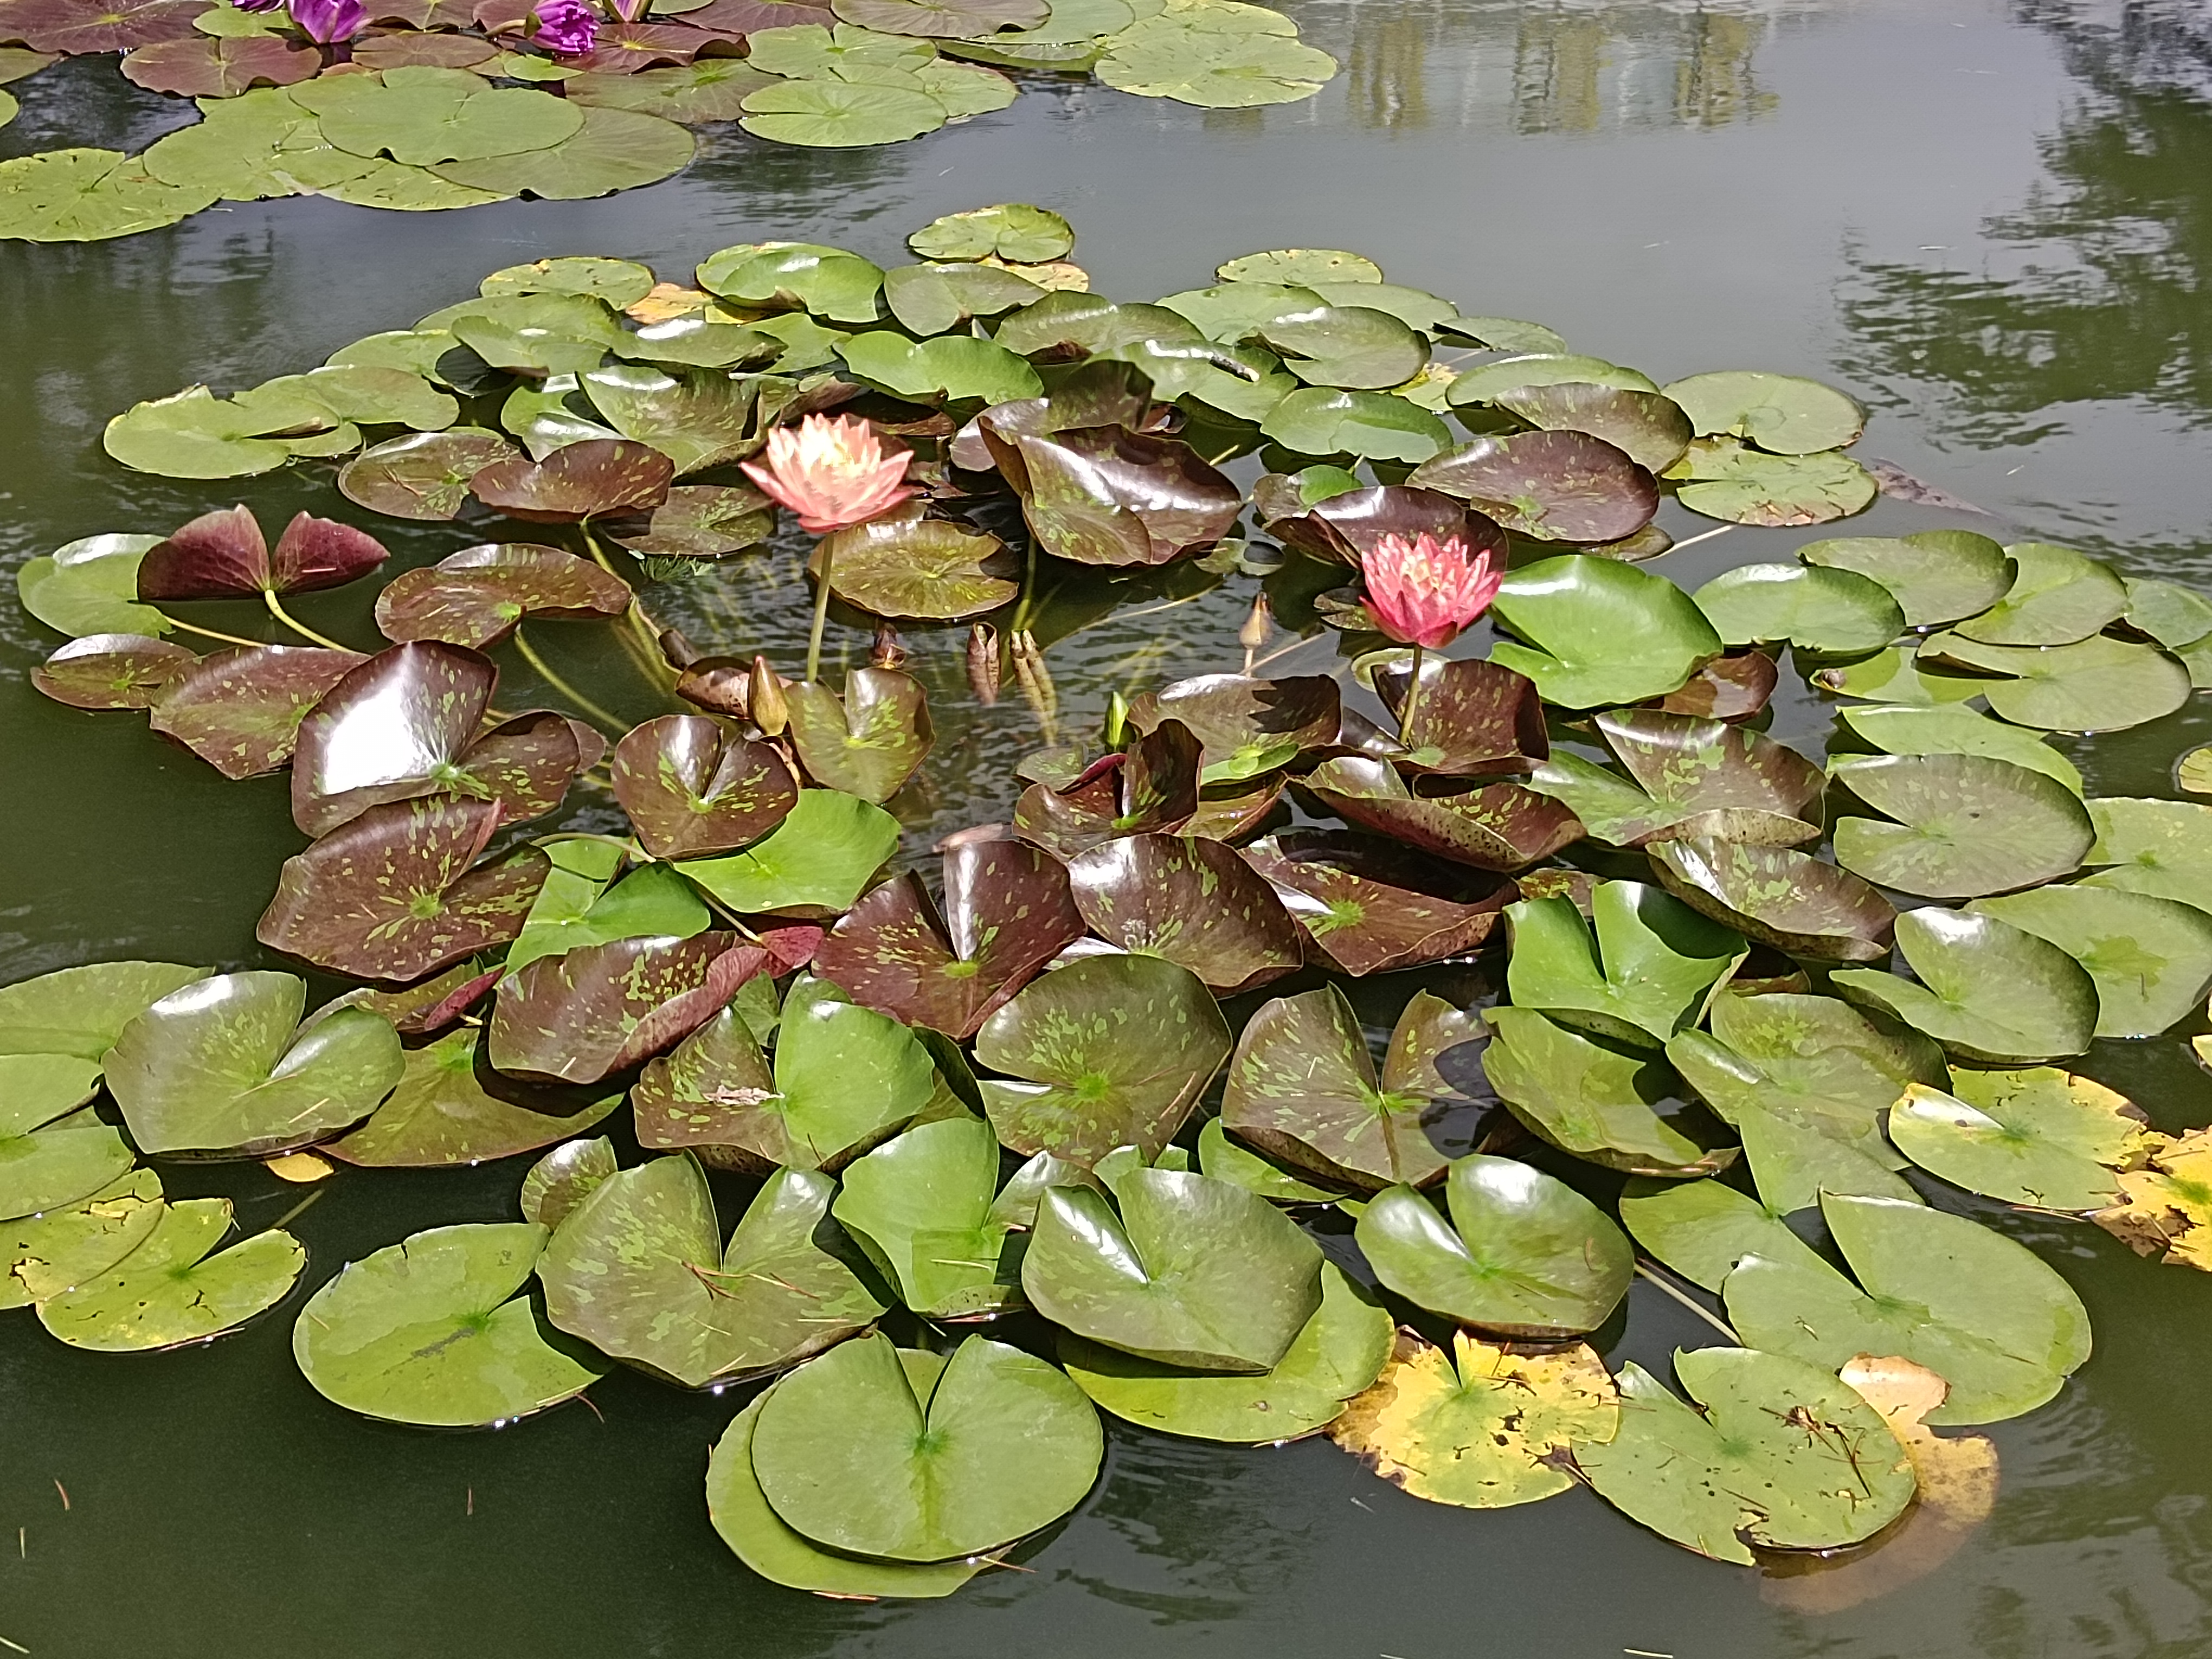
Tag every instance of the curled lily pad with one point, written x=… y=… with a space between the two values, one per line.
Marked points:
x=476 y=597
x=113 y=670
x=1107 y=495
x=1786 y=899
x=1473 y=717
x=927 y=1208
x=392 y=895
x=1340 y=1351
x=1007 y=912
x=873 y=1456
x=424 y=475
x=1151 y=787
x=1246 y=726
x=1500 y=826
x=1226 y=1160
x=2150 y=958
x=430 y=1331
x=426 y=1006
x=815 y=862
x=221 y=1066
x=222 y=554
x=240 y=710
x=1815 y=607
x=2099 y=684
x=1782 y=414
x=927 y=569
x=1352 y=345
x=441 y=1113
x=1966 y=825
x=1900 y=675
x=934 y=299
x=1110 y=1051
x=581 y=481
x=1937 y=576
x=2057 y=597
x=1369 y=905
x=1901 y=729
x=827 y=282
x=1524 y=1254
x=90 y=585
x=1645 y=974
x=594 y=1011
x=1190 y=900
x=2040 y=1137
x=557 y=1182
x=1599 y=1103
x=1689 y=777
x=698 y=417
x=1302 y=1087
x=868 y=742
x=1480 y=1426
x=2159 y=847
x=1563 y=486
x=1722 y=479
x=638 y=1269
x=1192 y=1272
x=1782 y=1454
x=690 y=786
x=43 y=1255
x=1984 y=988
x=1600 y=632
x=1982 y=1312
x=1733 y=688
x=1651 y=430
x=170 y=1289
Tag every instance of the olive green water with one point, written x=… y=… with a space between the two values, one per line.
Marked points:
x=1993 y=222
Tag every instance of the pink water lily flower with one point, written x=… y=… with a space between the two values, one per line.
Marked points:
x=567 y=28
x=1422 y=592
x=832 y=472
x=329 y=21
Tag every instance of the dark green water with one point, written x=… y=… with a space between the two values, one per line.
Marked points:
x=1992 y=222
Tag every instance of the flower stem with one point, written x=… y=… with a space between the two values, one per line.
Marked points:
x=276 y=609
x=544 y=671
x=1405 y=715
x=821 y=613
x=211 y=633
x=649 y=659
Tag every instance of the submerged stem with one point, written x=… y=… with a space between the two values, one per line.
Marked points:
x=211 y=634
x=1646 y=1271
x=821 y=613
x=276 y=609
x=544 y=671
x=1412 y=702
x=649 y=659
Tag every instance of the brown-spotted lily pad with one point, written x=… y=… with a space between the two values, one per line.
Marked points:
x=1370 y=906
x=600 y=1009
x=1191 y=900
x=1731 y=688
x=705 y=521
x=866 y=743
x=1688 y=778
x=393 y=728
x=1549 y=486
x=1647 y=426
x=1345 y=526
x=1786 y=899
x=392 y=895
x=1246 y=726
x=240 y=710
x=926 y=569
x=1153 y=787
x=476 y=597
x=580 y=481
x=692 y=787
x=428 y=1006
x=1108 y=496
x=1007 y=912
x=443 y=1114
x=1501 y=826
x=423 y=475
x=1302 y=1088
x=1474 y=717
x=221 y=555
x=113 y=670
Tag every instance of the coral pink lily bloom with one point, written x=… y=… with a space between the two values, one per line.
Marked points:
x=1422 y=592
x=832 y=472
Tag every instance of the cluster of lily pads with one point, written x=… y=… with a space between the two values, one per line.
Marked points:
x=416 y=104
x=1080 y=1117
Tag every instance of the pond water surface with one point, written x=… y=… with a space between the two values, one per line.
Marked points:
x=1991 y=221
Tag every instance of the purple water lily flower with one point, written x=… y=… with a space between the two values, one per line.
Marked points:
x=567 y=28
x=257 y=5
x=329 y=21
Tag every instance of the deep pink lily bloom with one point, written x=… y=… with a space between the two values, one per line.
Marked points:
x=832 y=472
x=329 y=21
x=567 y=28
x=1424 y=591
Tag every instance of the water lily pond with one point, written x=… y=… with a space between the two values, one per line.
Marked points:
x=1128 y=1106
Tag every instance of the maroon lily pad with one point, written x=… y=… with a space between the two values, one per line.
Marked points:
x=721 y=685
x=1191 y=900
x=1502 y=826
x=692 y=787
x=478 y=595
x=1151 y=788
x=240 y=710
x=1230 y=811
x=393 y=895
x=1246 y=725
x=1108 y=496
x=599 y=1009
x=1007 y=912
x=1550 y=486
x=868 y=742
x=623 y=48
x=743 y=16
x=577 y=482
x=1778 y=897
x=1346 y=526
x=391 y=730
x=1372 y=906
x=221 y=555
x=201 y=66
x=424 y=475
x=705 y=521
x=407 y=48
x=1732 y=687
x=1648 y=427
x=423 y=14
x=113 y=670
x=426 y=1007
x=82 y=25
x=1474 y=717
x=527 y=763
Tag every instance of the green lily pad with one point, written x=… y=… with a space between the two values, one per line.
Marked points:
x=51 y=1165
x=638 y=1270
x=1979 y=1310
x=88 y=196
x=1724 y=479
x=1899 y=676
x=925 y=569
x=1901 y=729
x=1215 y=58
x=2041 y=1137
x=1787 y=899
x=1226 y=1160
x=2174 y=615
x=2158 y=847
x=1643 y=976
x=927 y=1208
x=1369 y=425
x=1599 y=633
x=171 y=1290
x=934 y=299
x=817 y=860
x=795 y=276
x=1352 y=345
x=1780 y=413
x=440 y=1115
x=2057 y=597
x=1985 y=989
x=1776 y=1451
x=220 y=1066
x=580 y=903
x=43 y=1254
x=1525 y=1255
x=705 y=521
x=1687 y=777
x=1487 y=382
x=1110 y=1051
x=1589 y=1099
x=191 y=434
x=1014 y=231
x=423 y=115
x=2099 y=684
x=2150 y=958
x=836 y=114
x=872 y=1456
x=1966 y=825
x=1937 y=576
x=90 y=585
x=1340 y=1350
x=557 y=1182
x=1702 y=1229
x=80 y=1012
x=613 y=149
x=955 y=367
x=708 y=89
x=868 y=742
x=429 y=1331
x=698 y=417
x=1813 y=607
x=424 y=475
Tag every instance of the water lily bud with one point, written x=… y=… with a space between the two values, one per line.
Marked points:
x=1257 y=627
x=1036 y=682
x=983 y=666
x=1117 y=720
x=887 y=652
x=680 y=651
x=764 y=699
